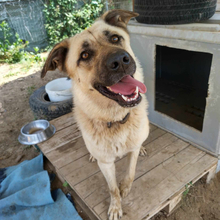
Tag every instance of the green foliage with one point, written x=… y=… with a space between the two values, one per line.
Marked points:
x=13 y=52
x=10 y=52
x=31 y=89
x=63 y=19
x=11 y=74
x=187 y=186
x=65 y=184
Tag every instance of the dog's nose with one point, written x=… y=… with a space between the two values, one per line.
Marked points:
x=118 y=60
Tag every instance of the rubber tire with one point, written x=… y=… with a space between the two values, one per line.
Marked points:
x=44 y=109
x=174 y=11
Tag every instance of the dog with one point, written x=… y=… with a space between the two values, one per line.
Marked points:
x=109 y=107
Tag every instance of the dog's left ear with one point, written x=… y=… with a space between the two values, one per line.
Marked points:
x=118 y=17
x=56 y=58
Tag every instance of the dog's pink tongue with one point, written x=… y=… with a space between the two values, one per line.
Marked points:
x=127 y=86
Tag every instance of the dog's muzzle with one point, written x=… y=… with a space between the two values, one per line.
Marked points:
x=117 y=81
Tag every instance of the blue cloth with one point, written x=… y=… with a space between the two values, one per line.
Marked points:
x=25 y=194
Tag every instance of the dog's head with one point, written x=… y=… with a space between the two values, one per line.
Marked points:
x=100 y=60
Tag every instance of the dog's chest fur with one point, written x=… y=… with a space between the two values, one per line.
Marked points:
x=108 y=143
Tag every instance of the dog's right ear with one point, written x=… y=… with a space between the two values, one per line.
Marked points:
x=118 y=17
x=56 y=58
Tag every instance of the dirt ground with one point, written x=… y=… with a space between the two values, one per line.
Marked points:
x=201 y=203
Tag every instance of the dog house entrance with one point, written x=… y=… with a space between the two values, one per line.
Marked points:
x=182 y=84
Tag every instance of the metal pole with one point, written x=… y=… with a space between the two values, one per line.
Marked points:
x=106 y=5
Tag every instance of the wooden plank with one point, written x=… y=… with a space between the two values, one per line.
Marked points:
x=152 y=127
x=66 y=149
x=89 y=169
x=63 y=121
x=166 y=154
x=169 y=204
x=159 y=143
x=60 y=138
x=143 y=166
x=68 y=153
x=75 y=165
x=172 y=202
x=83 y=173
x=156 y=133
x=159 y=180
x=159 y=174
x=76 y=198
x=92 y=215
x=94 y=182
x=144 y=201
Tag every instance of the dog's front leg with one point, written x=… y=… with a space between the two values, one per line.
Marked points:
x=108 y=170
x=126 y=183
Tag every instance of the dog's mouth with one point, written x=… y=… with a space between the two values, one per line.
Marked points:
x=126 y=91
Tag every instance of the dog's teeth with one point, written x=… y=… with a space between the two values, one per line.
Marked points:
x=136 y=95
x=124 y=97
x=137 y=90
x=108 y=88
x=132 y=98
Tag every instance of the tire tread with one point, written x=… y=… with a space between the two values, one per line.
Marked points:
x=44 y=109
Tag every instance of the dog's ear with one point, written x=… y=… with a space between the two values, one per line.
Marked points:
x=118 y=17
x=56 y=58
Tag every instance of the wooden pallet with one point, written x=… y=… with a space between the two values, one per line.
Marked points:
x=160 y=177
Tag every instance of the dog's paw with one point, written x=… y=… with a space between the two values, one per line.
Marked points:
x=143 y=152
x=125 y=188
x=115 y=212
x=92 y=159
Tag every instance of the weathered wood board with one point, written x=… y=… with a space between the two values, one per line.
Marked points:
x=160 y=177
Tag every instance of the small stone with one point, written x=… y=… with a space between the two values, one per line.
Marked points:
x=18 y=158
x=2 y=110
x=20 y=79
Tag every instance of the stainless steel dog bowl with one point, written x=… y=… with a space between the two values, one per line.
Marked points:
x=36 y=132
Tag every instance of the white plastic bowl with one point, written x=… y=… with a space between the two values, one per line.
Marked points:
x=59 y=89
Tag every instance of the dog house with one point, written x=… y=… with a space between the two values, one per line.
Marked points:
x=181 y=67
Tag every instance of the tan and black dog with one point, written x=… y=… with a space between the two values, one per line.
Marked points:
x=108 y=107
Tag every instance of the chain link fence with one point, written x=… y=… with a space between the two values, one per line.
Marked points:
x=26 y=17
x=122 y=4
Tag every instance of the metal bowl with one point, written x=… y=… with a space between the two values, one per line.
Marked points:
x=36 y=132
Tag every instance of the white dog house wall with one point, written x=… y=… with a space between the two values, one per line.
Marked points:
x=182 y=73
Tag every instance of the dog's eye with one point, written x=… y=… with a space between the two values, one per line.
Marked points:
x=115 y=39
x=84 y=55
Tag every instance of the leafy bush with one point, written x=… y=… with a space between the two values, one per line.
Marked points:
x=13 y=52
x=63 y=19
x=10 y=52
